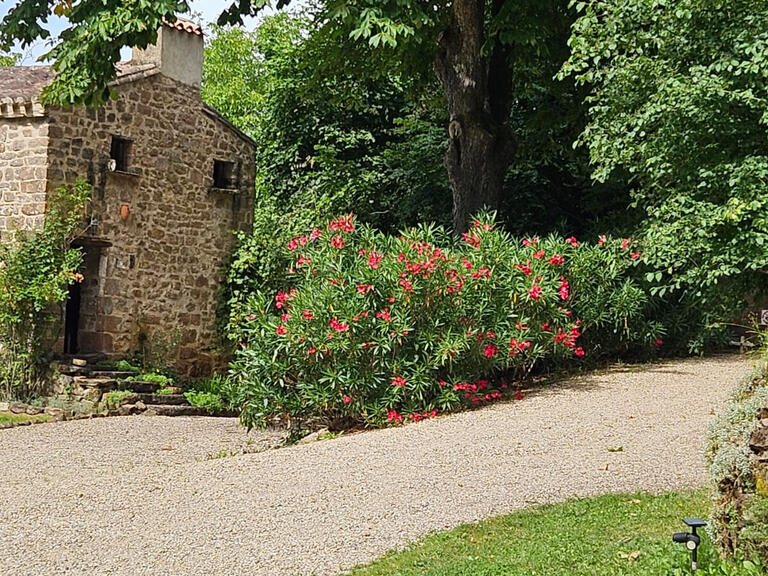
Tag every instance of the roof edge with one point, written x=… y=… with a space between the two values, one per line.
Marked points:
x=216 y=115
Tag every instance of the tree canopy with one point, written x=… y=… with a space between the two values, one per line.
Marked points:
x=678 y=101
x=481 y=51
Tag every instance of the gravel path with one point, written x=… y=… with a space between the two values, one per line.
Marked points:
x=138 y=495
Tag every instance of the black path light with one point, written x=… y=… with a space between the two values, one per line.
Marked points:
x=691 y=539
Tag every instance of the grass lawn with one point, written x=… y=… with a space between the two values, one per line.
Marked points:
x=606 y=536
x=7 y=419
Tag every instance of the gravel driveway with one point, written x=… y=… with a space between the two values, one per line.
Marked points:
x=139 y=495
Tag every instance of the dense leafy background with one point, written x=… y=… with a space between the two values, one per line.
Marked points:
x=678 y=101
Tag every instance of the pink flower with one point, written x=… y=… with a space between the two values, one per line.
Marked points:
x=556 y=260
x=490 y=351
x=539 y=254
x=394 y=416
x=307 y=315
x=579 y=351
x=659 y=342
x=251 y=317
x=344 y=223
x=635 y=255
x=572 y=241
x=532 y=242
x=472 y=239
x=602 y=239
x=518 y=395
x=374 y=259
x=281 y=299
x=337 y=241
x=546 y=327
x=281 y=330
x=535 y=292
x=311 y=351
x=391 y=299
x=364 y=288
x=338 y=326
x=399 y=381
x=383 y=315
x=315 y=234
x=293 y=244
x=347 y=399
x=482 y=273
x=284 y=317
x=466 y=263
x=525 y=269
x=564 y=293
x=625 y=243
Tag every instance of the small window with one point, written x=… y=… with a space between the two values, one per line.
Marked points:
x=224 y=174
x=120 y=152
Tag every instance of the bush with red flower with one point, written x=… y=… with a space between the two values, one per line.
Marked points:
x=380 y=329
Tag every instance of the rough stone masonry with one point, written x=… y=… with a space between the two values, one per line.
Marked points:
x=172 y=181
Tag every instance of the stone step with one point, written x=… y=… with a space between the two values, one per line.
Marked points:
x=174 y=410
x=101 y=383
x=154 y=399
x=139 y=386
x=114 y=374
x=70 y=370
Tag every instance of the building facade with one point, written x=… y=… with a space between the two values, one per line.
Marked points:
x=172 y=182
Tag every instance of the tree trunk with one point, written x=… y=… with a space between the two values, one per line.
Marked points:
x=477 y=90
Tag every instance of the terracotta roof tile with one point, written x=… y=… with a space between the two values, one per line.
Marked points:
x=186 y=26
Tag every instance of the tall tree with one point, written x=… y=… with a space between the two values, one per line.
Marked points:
x=474 y=46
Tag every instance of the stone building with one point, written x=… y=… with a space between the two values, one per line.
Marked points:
x=172 y=180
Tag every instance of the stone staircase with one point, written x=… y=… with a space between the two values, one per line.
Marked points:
x=87 y=385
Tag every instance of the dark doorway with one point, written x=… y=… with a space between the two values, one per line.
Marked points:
x=72 y=319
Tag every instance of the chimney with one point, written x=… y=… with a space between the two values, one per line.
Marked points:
x=178 y=52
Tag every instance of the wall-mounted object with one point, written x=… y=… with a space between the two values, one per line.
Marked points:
x=125 y=211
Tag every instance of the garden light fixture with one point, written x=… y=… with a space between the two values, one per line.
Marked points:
x=691 y=539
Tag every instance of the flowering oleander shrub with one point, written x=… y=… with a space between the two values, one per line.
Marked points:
x=380 y=329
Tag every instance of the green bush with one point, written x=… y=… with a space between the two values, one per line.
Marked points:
x=739 y=522
x=381 y=329
x=210 y=393
x=35 y=269
x=152 y=377
x=116 y=398
x=212 y=402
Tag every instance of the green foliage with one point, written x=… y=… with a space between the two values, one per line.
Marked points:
x=213 y=403
x=35 y=269
x=613 y=535
x=8 y=59
x=153 y=377
x=678 y=101
x=211 y=393
x=89 y=47
x=126 y=366
x=739 y=521
x=379 y=328
x=116 y=398
x=9 y=420
x=331 y=127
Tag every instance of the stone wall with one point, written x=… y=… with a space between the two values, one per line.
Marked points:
x=160 y=234
x=23 y=149
x=738 y=463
